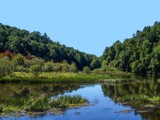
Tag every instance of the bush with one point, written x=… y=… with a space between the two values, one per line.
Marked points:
x=19 y=60
x=20 y=68
x=1 y=108
x=48 y=67
x=57 y=68
x=6 y=67
x=86 y=70
x=36 y=69
x=64 y=69
x=73 y=68
x=97 y=71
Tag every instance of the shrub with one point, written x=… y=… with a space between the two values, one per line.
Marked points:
x=36 y=69
x=19 y=60
x=73 y=68
x=64 y=69
x=57 y=68
x=20 y=68
x=48 y=67
x=86 y=70
x=6 y=67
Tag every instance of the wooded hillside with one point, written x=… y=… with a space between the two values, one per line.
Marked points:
x=139 y=54
x=33 y=43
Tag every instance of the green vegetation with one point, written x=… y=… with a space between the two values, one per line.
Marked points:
x=32 y=57
x=139 y=54
x=21 y=69
x=140 y=99
x=36 y=53
x=6 y=67
x=56 y=77
x=43 y=104
x=112 y=72
x=62 y=102
x=41 y=46
x=138 y=94
x=37 y=98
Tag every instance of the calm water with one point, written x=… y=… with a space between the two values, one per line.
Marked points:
x=99 y=95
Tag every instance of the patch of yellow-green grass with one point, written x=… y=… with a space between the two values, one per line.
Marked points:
x=155 y=100
x=58 y=77
x=10 y=109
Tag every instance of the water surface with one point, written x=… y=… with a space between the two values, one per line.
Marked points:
x=100 y=96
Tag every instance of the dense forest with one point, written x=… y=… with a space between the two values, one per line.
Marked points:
x=139 y=54
x=16 y=41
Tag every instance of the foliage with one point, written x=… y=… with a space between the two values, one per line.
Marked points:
x=137 y=93
x=20 y=68
x=26 y=98
x=48 y=67
x=36 y=69
x=139 y=54
x=6 y=67
x=56 y=77
x=34 y=64
x=40 y=105
x=19 y=60
x=86 y=70
x=61 y=102
x=10 y=109
x=22 y=41
x=70 y=101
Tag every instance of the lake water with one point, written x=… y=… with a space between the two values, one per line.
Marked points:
x=100 y=96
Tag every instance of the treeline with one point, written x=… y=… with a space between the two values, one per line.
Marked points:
x=18 y=63
x=26 y=43
x=139 y=54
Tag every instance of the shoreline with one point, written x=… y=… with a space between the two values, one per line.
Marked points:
x=53 y=77
x=55 y=111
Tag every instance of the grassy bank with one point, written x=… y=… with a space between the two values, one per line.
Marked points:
x=41 y=105
x=141 y=102
x=58 y=77
x=139 y=99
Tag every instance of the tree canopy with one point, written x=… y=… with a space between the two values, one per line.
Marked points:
x=34 y=43
x=139 y=54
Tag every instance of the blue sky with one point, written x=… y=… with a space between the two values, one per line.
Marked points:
x=86 y=25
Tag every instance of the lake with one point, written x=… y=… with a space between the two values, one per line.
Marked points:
x=100 y=96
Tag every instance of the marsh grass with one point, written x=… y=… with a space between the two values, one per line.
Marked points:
x=56 y=77
x=42 y=104
x=139 y=99
x=10 y=109
x=112 y=72
x=61 y=102
x=72 y=101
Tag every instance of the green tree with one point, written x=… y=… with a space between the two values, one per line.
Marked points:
x=86 y=70
x=73 y=68
x=36 y=69
x=19 y=60
x=48 y=67
x=6 y=67
x=95 y=63
x=38 y=61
